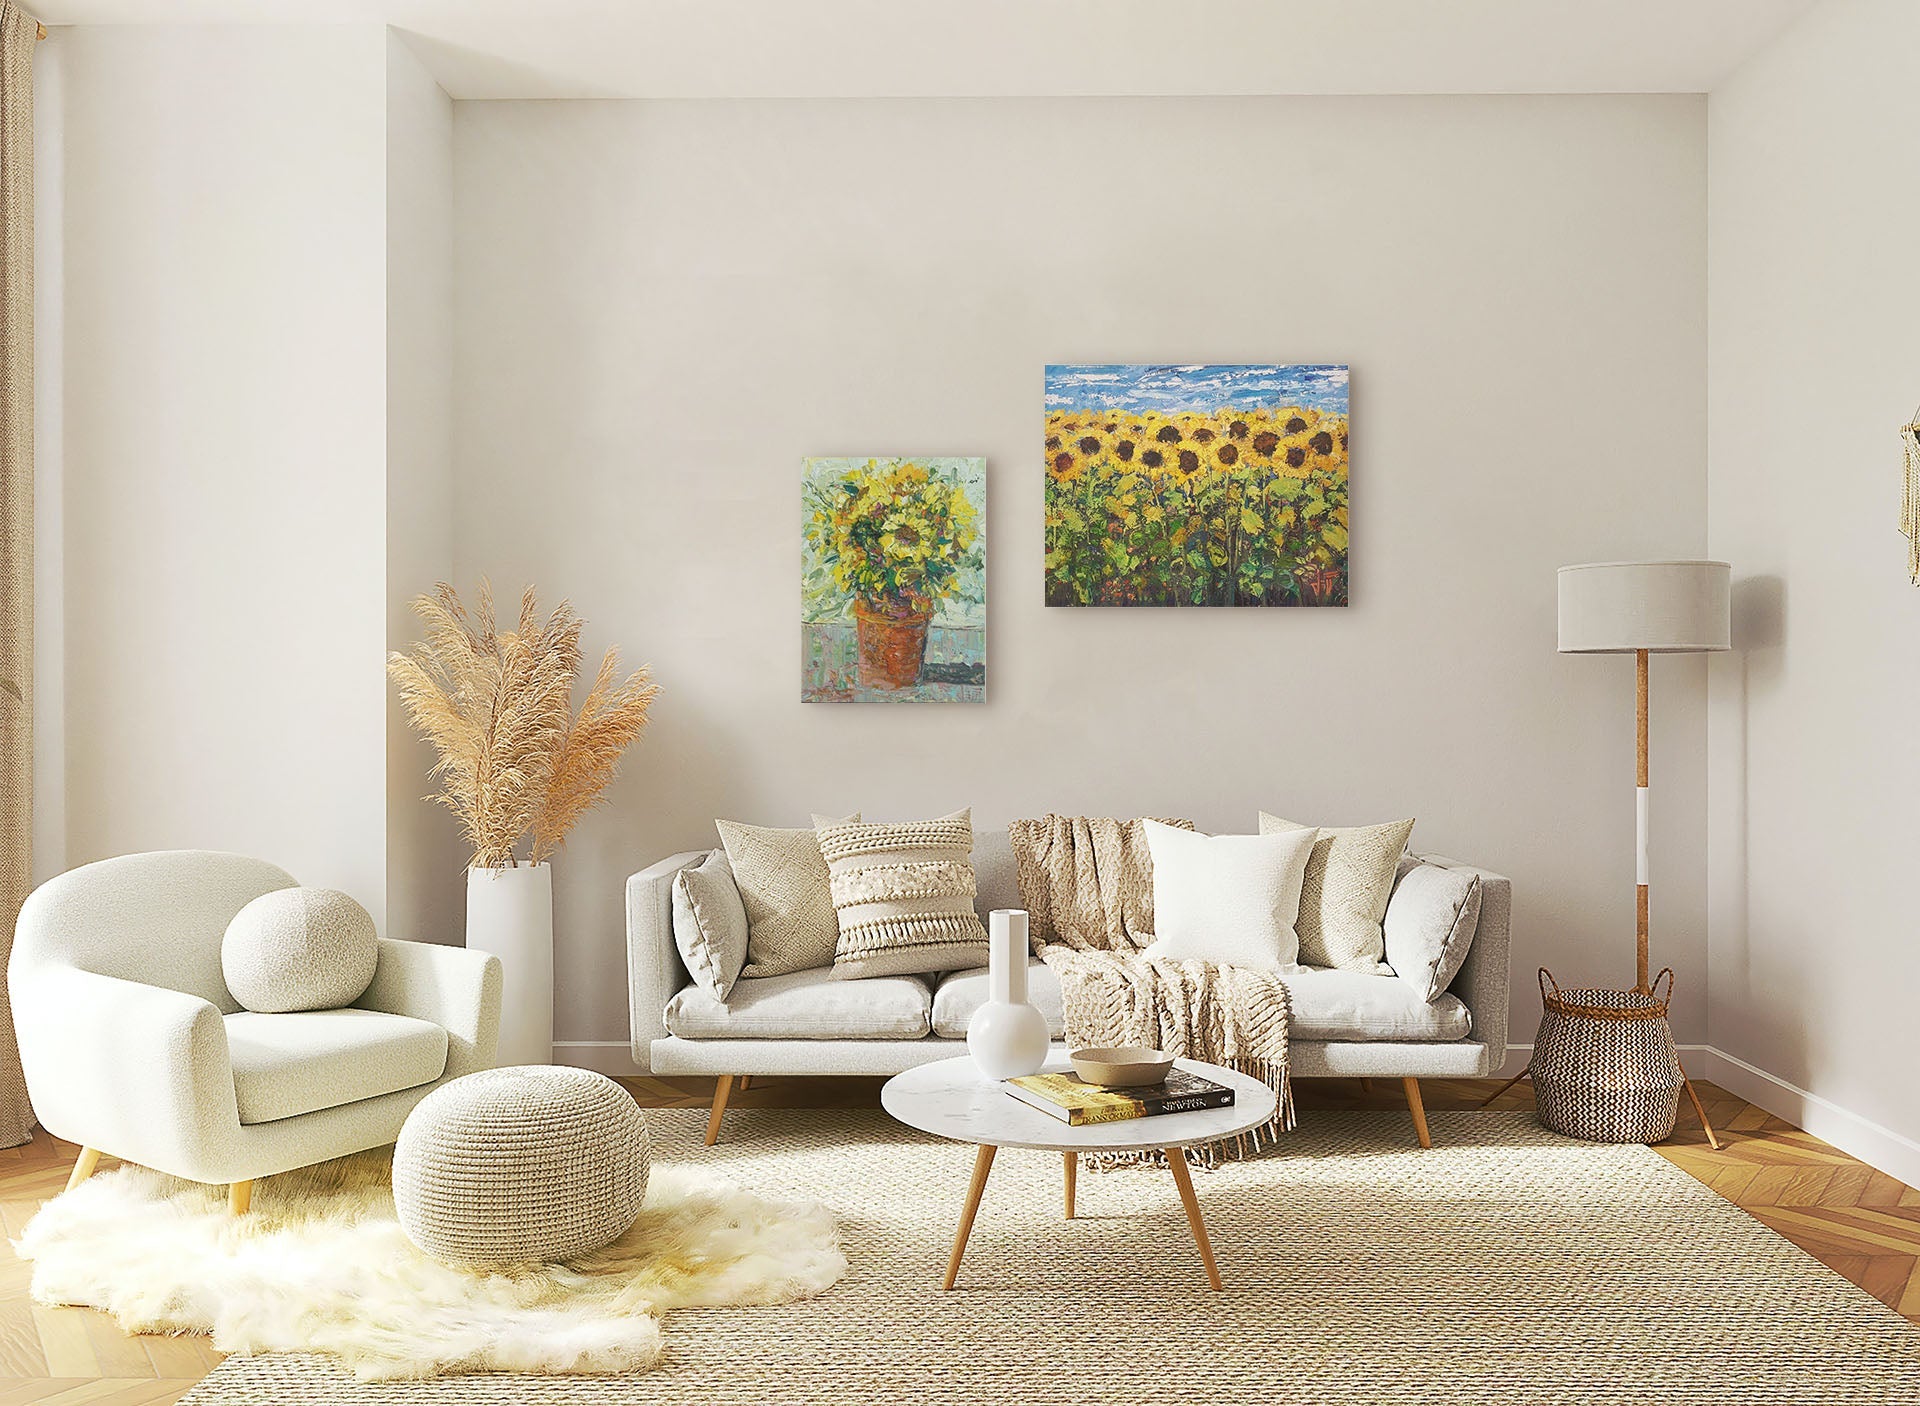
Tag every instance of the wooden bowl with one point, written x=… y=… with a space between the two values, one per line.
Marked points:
x=1123 y=1067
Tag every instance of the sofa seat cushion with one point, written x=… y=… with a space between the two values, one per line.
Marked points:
x=1347 y=1005
x=304 y=1061
x=806 y=1005
x=960 y=994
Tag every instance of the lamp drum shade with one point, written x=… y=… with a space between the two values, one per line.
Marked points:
x=1663 y=607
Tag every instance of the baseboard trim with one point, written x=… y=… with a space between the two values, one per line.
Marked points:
x=614 y=1058
x=1873 y=1143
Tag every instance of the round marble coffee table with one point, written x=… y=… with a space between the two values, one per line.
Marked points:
x=952 y=1099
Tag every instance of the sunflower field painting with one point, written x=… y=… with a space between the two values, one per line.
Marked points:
x=1196 y=485
x=893 y=584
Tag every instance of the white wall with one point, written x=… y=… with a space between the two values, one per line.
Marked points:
x=224 y=427
x=661 y=307
x=424 y=863
x=1814 y=770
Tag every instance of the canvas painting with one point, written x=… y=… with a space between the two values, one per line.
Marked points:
x=1196 y=485
x=893 y=587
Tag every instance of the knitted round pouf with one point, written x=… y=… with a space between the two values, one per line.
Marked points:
x=530 y=1163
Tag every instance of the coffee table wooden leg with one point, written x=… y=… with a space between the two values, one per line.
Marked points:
x=1177 y=1164
x=1073 y=1170
x=982 y=1164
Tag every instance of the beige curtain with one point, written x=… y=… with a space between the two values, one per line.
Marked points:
x=17 y=34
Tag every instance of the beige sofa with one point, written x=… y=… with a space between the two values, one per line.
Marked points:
x=1345 y=1024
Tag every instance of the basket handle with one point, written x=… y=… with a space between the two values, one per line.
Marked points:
x=1546 y=980
x=1653 y=985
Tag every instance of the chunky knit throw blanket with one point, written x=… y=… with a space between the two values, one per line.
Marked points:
x=1088 y=888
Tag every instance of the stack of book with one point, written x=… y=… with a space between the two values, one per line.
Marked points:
x=1072 y=1100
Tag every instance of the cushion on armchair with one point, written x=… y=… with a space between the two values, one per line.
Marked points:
x=299 y=949
x=303 y=1061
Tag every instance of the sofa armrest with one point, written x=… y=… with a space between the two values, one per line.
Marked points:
x=1485 y=980
x=141 y=1072
x=654 y=969
x=450 y=986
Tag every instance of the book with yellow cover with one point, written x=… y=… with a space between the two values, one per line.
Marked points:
x=1072 y=1100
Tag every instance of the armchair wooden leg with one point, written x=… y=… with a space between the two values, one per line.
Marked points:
x=746 y=1081
x=239 y=1198
x=1419 y=1111
x=83 y=1166
x=723 y=1086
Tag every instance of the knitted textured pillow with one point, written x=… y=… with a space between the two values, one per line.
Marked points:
x=784 y=888
x=299 y=949
x=904 y=895
x=1344 y=897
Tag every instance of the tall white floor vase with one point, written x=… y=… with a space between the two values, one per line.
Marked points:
x=1007 y=1036
x=510 y=914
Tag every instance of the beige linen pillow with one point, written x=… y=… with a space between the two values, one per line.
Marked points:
x=1230 y=899
x=784 y=887
x=1344 y=897
x=710 y=924
x=903 y=893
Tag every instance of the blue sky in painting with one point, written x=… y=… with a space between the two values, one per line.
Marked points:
x=1173 y=388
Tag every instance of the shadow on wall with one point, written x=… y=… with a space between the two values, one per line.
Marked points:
x=1752 y=669
x=681 y=764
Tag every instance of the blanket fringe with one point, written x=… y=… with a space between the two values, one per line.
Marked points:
x=1208 y=1156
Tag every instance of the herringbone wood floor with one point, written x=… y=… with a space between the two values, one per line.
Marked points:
x=1860 y=1222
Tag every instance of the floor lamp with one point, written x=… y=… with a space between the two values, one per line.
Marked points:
x=1643 y=608
x=1640 y=608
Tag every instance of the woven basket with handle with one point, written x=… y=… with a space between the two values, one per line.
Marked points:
x=1604 y=1067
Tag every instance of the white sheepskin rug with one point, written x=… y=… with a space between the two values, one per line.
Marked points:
x=322 y=1265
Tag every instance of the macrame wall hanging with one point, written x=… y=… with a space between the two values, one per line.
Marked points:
x=1910 y=497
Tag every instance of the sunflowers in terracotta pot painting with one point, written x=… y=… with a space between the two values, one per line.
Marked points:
x=893 y=580
x=1196 y=485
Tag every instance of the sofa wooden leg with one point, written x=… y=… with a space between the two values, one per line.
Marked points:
x=1366 y=1086
x=83 y=1166
x=239 y=1198
x=746 y=1081
x=722 y=1087
x=1419 y=1111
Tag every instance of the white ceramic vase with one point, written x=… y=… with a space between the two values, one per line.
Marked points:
x=510 y=914
x=1007 y=1037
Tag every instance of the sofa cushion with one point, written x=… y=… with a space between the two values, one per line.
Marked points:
x=960 y=994
x=303 y=1061
x=1344 y=894
x=1230 y=899
x=904 y=895
x=1430 y=925
x=806 y=1005
x=787 y=894
x=1342 y=1005
x=710 y=924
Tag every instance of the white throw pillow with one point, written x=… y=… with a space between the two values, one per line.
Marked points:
x=299 y=949
x=1430 y=923
x=1229 y=899
x=710 y=924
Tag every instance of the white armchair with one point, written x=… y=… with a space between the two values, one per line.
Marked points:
x=132 y=1044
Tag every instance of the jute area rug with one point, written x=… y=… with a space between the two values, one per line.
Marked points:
x=1506 y=1265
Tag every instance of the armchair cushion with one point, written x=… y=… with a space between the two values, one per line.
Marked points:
x=299 y=949
x=303 y=1061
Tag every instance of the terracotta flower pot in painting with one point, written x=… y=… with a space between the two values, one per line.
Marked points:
x=892 y=642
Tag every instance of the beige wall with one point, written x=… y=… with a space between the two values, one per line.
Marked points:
x=422 y=849
x=661 y=307
x=222 y=447
x=1814 y=770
